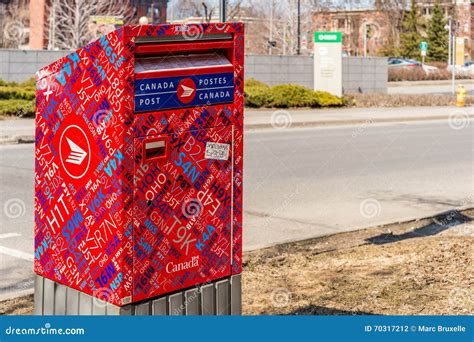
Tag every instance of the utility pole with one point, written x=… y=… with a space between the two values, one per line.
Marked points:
x=453 y=27
x=52 y=27
x=365 y=39
x=222 y=12
x=449 y=43
x=453 y=60
x=270 y=40
x=298 y=47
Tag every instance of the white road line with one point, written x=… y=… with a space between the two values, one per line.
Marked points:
x=16 y=253
x=9 y=235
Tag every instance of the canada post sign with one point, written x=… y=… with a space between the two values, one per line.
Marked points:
x=183 y=91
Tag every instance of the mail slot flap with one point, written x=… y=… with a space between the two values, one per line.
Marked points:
x=194 y=35
x=181 y=64
x=189 y=46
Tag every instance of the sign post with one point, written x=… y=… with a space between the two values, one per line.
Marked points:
x=328 y=62
x=423 y=49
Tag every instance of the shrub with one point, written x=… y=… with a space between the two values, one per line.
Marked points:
x=291 y=95
x=31 y=82
x=257 y=94
x=417 y=74
x=325 y=99
x=20 y=108
x=403 y=100
x=22 y=93
x=252 y=82
x=4 y=83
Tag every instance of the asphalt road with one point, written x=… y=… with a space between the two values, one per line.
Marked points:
x=299 y=183
x=429 y=87
x=302 y=183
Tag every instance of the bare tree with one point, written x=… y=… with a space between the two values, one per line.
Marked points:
x=277 y=20
x=69 y=24
x=207 y=13
x=234 y=10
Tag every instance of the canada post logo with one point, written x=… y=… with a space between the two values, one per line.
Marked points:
x=75 y=152
x=183 y=91
x=186 y=90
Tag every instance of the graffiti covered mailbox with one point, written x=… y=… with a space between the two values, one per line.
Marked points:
x=138 y=162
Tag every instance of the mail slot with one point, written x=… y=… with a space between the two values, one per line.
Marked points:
x=139 y=151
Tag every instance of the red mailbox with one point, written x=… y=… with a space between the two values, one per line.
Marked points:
x=139 y=142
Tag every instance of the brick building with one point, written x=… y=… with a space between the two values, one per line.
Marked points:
x=353 y=23
x=155 y=10
x=380 y=24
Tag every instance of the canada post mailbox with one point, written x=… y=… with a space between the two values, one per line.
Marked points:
x=138 y=162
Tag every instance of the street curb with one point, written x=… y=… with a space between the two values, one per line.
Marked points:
x=18 y=294
x=350 y=122
x=28 y=139
x=17 y=139
x=430 y=218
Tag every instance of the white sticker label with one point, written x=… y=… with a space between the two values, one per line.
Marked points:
x=217 y=151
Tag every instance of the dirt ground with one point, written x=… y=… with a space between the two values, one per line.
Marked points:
x=423 y=267
x=17 y=306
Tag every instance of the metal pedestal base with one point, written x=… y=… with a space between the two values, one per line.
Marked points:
x=221 y=297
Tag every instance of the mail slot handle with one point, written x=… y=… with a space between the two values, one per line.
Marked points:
x=147 y=49
x=155 y=149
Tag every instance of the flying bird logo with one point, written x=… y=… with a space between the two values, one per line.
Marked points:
x=77 y=154
x=187 y=91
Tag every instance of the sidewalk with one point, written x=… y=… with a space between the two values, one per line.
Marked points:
x=17 y=131
x=22 y=130
x=283 y=118
x=428 y=87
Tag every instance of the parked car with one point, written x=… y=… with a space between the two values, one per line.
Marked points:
x=466 y=69
x=395 y=62
x=410 y=64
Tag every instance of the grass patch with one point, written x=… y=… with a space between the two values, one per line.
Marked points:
x=403 y=100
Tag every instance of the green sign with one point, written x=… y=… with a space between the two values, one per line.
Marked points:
x=328 y=37
x=423 y=46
